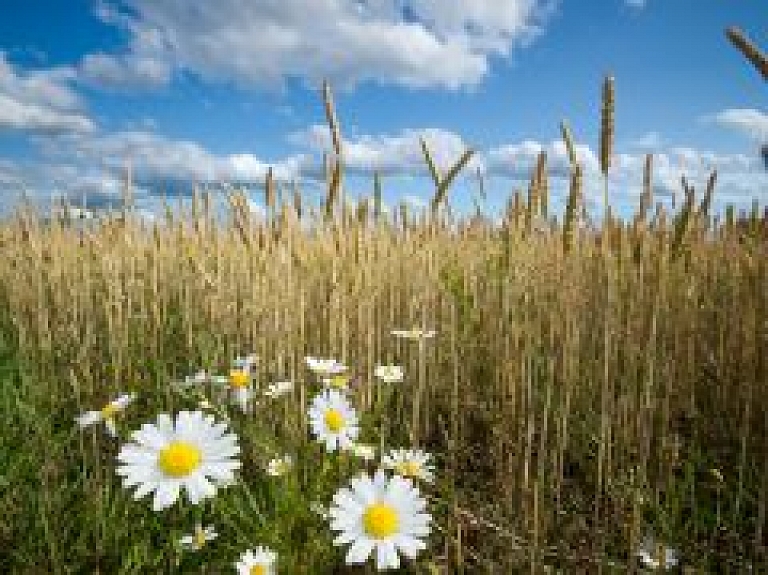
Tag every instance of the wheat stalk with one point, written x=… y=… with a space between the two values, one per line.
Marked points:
x=606 y=135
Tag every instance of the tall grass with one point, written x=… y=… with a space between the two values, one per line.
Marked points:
x=584 y=388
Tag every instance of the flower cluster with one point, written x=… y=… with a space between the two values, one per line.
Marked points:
x=191 y=456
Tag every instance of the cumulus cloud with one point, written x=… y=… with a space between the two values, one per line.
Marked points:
x=752 y=123
x=123 y=71
x=40 y=101
x=389 y=154
x=154 y=157
x=413 y=43
x=635 y=3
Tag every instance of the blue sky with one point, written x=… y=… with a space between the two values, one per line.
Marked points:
x=217 y=91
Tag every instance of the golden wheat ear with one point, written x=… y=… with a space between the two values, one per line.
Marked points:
x=750 y=51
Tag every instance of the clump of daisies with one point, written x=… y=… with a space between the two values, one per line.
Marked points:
x=191 y=453
x=107 y=414
x=381 y=515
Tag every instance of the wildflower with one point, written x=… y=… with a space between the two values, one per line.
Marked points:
x=385 y=514
x=199 y=538
x=389 y=373
x=414 y=333
x=279 y=388
x=654 y=555
x=107 y=413
x=240 y=383
x=198 y=378
x=340 y=382
x=409 y=463
x=194 y=453
x=333 y=420
x=280 y=466
x=259 y=562
x=364 y=451
x=324 y=367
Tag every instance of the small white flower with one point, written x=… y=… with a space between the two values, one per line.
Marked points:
x=194 y=453
x=199 y=538
x=107 y=413
x=259 y=562
x=333 y=420
x=279 y=466
x=339 y=382
x=389 y=373
x=364 y=451
x=382 y=515
x=198 y=378
x=409 y=463
x=325 y=367
x=650 y=553
x=240 y=384
x=279 y=388
x=414 y=333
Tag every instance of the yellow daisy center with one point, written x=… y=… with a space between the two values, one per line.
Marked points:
x=339 y=381
x=258 y=570
x=409 y=468
x=200 y=538
x=179 y=458
x=238 y=378
x=109 y=411
x=334 y=421
x=380 y=521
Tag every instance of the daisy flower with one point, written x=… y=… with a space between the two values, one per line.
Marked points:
x=325 y=367
x=364 y=451
x=198 y=378
x=199 y=538
x=279 y=466
x=389 y=373
x=654 y=555
x=340 y=382
x=409 y=463
x=279 y=388
x=380 y=514
x=240 y=383
x=414 y=333
x=259 y=562
x=194 y=453
x=107 y=413
x=333 y=420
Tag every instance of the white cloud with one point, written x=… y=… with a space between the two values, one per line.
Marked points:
x=155 y=157
x=750 y=122
x=125 y=71
x=40 y=101
x=389 y=154
x=413 y=43
x=635 y=3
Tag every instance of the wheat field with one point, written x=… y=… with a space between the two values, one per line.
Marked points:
x=588 y=390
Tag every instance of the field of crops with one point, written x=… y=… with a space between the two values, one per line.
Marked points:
x=585 y=399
